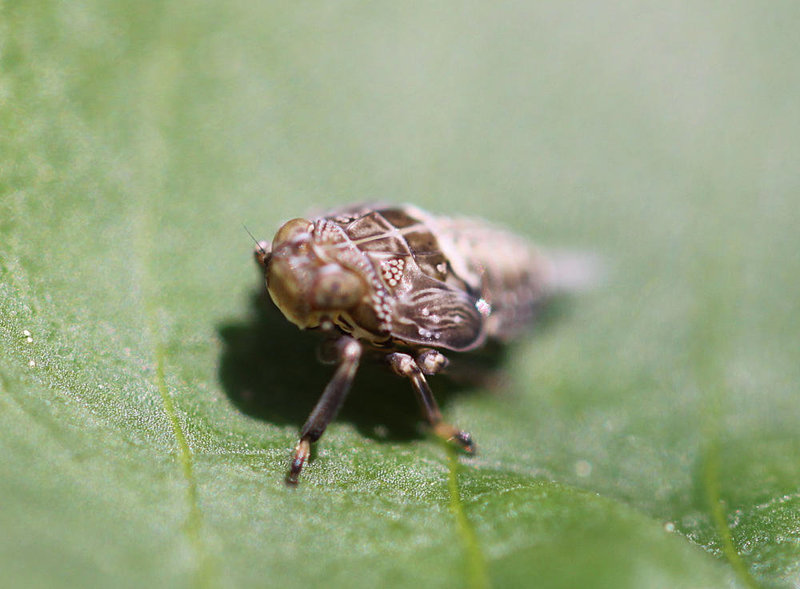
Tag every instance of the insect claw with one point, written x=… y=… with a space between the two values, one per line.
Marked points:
x=465 y=441
x=301 y=454
x=452 y=435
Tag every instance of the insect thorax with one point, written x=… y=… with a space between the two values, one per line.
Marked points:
x=416 y=292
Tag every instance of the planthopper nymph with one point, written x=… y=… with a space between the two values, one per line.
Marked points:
x=406 y=285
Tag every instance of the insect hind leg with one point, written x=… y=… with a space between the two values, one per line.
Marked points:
x=405 y=365
x=349 y=352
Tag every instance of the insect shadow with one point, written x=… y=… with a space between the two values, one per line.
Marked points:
x=269 y=370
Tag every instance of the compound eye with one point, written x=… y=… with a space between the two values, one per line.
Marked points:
x=262 y=253
x=335 y=288
x=289 y=231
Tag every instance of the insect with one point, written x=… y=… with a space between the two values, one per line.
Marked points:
x=405 y=284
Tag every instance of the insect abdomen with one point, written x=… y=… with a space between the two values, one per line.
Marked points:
x=512 y=275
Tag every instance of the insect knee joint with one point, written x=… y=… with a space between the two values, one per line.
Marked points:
x=349 y=350
x=432 y=362
x=403 y=364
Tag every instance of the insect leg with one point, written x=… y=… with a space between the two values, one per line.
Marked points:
x=431 y=361
x=328 y=405
x=405 y=365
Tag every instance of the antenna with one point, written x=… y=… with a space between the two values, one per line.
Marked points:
x=258 y=243
x=262 y=253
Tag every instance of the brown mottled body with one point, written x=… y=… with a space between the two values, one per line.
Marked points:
x=510 y=273
x=404 y=282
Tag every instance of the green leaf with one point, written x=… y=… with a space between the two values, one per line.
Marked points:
x=644 y=435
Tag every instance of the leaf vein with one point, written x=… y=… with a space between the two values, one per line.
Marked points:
x=477 y=574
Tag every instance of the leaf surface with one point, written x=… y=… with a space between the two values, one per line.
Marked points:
x=645 y=434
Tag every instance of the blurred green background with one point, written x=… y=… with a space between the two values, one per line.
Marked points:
x=646 y=435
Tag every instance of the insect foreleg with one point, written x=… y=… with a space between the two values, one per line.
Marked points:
x=432 y=361
x=329 y=403
x=405 y=365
